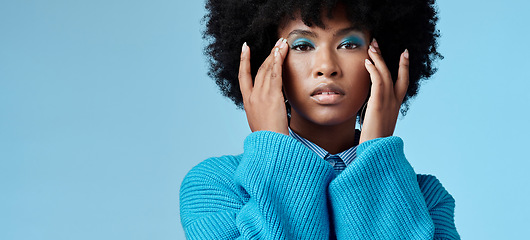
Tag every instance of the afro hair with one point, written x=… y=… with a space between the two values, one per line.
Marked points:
x=396 y=24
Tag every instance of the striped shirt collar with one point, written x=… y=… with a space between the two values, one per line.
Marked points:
x=347 y=155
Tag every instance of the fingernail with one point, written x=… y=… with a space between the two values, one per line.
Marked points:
x=406 y=54
x=284 y=43
x=372 y=49
x=374 y=42
x=278 y=42
x=276 y=51
x=244 y=47
x=367 y=61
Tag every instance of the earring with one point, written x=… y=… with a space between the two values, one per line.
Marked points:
x=363 y=111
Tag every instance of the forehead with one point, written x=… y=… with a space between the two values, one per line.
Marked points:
x=337 y=21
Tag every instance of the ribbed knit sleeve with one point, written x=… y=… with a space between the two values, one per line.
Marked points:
x=287 y=186
x=210 y=201
x=441 y=207
x=378 y=196
x=277 y=191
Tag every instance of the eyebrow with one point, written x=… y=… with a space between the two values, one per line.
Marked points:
x=303 y=33
x=341 y=32
x=348 y=30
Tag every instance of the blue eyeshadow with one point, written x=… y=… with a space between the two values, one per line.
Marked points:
x=354 y=39
x=302 y=40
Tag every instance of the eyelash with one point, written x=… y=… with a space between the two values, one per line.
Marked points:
x=302 y=44
x=354 y=45
x=306 y=46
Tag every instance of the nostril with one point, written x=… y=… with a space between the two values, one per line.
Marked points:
x=333 y=74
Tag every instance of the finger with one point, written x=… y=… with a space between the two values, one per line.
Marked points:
x=266 y=80
x=264 y=69
x=245 y=77
x=375 y=54
x=280 y=53
x=402 y=82
x=375 y=78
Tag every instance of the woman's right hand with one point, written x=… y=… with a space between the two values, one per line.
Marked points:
x=263 y=101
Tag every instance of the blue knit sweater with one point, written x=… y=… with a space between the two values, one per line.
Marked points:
x=279 y=189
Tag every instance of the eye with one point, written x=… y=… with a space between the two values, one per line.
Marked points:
x=351 y=42
x=302 y=46
x=348 y=45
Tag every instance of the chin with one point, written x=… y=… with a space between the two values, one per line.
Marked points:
x=325 y=117
x=332 y=119
x=328 y=122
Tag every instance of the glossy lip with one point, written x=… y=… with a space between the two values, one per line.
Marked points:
x=333 y=94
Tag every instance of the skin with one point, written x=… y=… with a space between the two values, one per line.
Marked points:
x=338 y=60
x=330 y=58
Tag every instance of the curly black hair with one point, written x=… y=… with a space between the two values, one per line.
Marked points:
x=396 y=24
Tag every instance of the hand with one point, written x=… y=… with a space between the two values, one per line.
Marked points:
x=264 y=102
x=385 y=98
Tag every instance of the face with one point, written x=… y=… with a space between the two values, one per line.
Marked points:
x=324 y=76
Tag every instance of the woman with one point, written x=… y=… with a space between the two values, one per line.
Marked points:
x=306 y=172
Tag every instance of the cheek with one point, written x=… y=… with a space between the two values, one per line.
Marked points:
x=296 y=66
x=359 y=78
x=363 y=83
x=295 y=73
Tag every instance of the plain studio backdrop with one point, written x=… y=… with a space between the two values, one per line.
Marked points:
x=106 y=105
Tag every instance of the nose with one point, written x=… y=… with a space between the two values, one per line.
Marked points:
x=326 y=64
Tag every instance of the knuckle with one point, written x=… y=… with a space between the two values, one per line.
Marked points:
x=245 y=102
x=404 y=63
x=270 y=67
x=378 y=84
x=274 y=75
x=263 y=67
x=251 y=100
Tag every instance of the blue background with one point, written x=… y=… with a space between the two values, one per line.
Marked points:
x=106 y=105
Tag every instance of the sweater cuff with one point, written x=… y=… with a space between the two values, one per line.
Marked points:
x=274 y=158
x=379 y=195
x=287 y=184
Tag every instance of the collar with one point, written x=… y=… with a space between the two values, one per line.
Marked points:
x=347 y=156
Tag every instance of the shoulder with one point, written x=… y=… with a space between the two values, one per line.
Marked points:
x=215 y=166
x=209 y=187
x=434 y=192
x=212 y=171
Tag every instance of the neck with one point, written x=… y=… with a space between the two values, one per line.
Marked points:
x=332 y=138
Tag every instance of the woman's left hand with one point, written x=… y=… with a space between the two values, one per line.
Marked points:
x=386 y=97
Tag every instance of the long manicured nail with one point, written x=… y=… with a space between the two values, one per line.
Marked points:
x=276 y=51
x=278 y=42
x=406 y=54
x=373 y=49
x=244 y=47
x=367 y=61
x=374 y=42
x=284 y=43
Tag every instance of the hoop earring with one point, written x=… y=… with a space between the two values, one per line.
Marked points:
x=361 y=117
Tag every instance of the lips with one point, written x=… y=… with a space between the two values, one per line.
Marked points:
x=327 y=88
x=327 y=93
